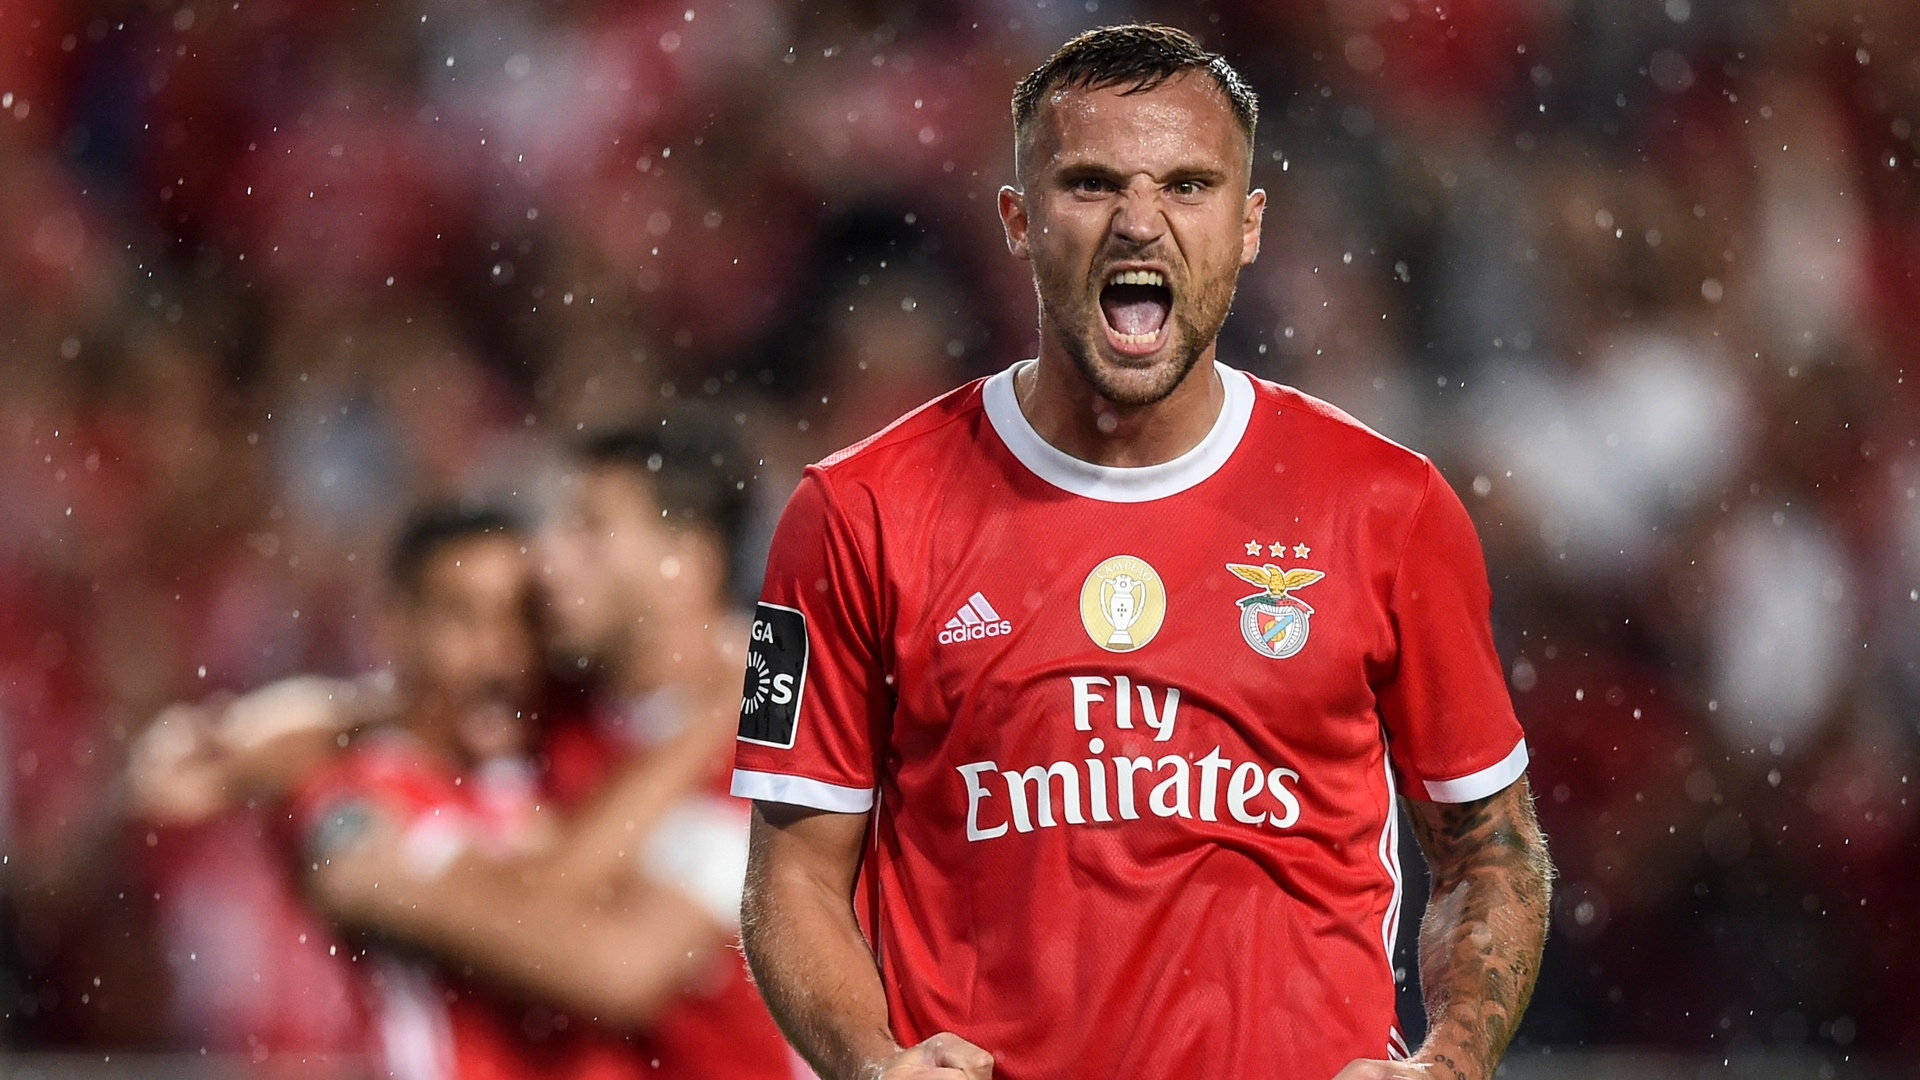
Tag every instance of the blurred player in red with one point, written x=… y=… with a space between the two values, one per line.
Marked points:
x=1103 y=674
x=498 y=950
x=520 y=941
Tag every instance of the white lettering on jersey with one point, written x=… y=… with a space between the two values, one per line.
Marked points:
x=975 y=793
x=1246 y=783
x=975 y=620
x=1048 y=796
x=1160 y=717
x=1041 y=777
x=1170 y=795
x=1285 y=797
x=1210 y=768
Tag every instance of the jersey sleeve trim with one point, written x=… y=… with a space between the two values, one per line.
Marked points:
x=1477 y=785
x=800 y=791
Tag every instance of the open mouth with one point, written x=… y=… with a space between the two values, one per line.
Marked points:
x=1136 y=305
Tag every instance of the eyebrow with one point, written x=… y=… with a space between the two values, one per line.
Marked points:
x=1075 y=170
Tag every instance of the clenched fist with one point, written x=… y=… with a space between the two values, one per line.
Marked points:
x=945 y=1056
x=1370 y=1069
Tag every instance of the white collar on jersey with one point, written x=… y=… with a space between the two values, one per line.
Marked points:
x=1110 y=483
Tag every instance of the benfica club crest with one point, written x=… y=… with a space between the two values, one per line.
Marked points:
x=1274 y=621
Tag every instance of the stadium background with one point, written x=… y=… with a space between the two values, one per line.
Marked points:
x=1641 y=276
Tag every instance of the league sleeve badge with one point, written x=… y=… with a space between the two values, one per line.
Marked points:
x=1273 y=620
x=776 y=676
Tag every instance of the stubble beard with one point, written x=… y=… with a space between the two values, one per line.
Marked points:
x=1080 y=331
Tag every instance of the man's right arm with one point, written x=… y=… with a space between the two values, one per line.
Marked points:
x=813 y=965
x=620 y=953
x=196 y=761
x=607 y=837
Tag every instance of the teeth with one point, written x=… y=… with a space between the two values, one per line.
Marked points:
x=1137 y=277
x=1136 y=339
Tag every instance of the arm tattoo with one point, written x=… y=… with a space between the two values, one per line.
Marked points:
x=1486 y=924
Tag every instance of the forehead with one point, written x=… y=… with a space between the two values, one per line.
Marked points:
x=482 y=566
x=1183 y=122
x=613 y=489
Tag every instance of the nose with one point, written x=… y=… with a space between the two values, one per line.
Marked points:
x=1138 y=218
x=506 y=655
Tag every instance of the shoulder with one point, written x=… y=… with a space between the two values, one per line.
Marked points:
x=385 y=765
x=893 y=472
x=1320 y=434
x=926 y=434
x=906 y=457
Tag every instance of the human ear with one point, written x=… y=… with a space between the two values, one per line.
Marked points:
x=1013 y=216
x=1252 y=214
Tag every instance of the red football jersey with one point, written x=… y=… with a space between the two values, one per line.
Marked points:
x=429 y=1024
x=1133 y=735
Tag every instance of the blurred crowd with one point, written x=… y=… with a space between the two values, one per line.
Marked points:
x=1643 y=277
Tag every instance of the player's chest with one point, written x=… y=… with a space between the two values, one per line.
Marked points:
x=1233 y=610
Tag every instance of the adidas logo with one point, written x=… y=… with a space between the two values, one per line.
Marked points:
x=976 y=619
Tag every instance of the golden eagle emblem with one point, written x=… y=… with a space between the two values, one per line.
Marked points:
x=1275 y=580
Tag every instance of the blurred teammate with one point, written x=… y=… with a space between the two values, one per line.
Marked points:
x=1102 y=674
x=616 y=563
x=636 y=566
x=435 y=835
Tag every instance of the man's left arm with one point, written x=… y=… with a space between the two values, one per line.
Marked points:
x=606 y=838
x=1482 y=936
x=1485 y=926
x=618 y=956
x=1458 y=751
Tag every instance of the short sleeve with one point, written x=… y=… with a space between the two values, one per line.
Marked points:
x=815 y=687
x=336 y=808
x=1450 y=726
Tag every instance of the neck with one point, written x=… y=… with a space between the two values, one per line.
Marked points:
x=1068 y=412
x=435 y=723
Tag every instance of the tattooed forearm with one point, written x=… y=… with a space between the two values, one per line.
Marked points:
x=1485 y=926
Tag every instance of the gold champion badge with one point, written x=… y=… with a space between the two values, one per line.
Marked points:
x=1123 y=603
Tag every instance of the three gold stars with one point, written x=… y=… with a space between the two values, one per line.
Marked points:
x=1278 y=550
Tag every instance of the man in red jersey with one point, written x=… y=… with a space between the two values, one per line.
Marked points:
x=614 y=916
x=1101 y=675
x=500 y=950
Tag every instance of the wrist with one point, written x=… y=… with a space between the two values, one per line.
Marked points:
x=875 y=1058
x=1449 y=1060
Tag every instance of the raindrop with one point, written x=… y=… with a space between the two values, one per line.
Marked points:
x=1670 y=71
